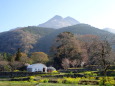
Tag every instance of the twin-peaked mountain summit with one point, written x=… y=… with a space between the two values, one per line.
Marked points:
x=40 y=38
x=59 y=22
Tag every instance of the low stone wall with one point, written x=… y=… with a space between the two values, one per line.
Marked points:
x=65 y=75
x=17 y=74
x=74 y=70
x=96 y=67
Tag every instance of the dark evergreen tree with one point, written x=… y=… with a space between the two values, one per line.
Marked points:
x=18 y=55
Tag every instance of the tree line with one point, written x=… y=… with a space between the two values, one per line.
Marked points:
x=68 y=50
x=20 y=60
x=71 y=50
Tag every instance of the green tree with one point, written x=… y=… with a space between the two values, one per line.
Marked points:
x=5 y=56
x=25 y=59
x=18 y=55
x=40 y=57
x=4 y=66
x=1 y=57
x=67 y=46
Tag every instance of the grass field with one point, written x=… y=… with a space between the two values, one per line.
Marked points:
x=55 y=84
x=16 y=83
x=21 y=83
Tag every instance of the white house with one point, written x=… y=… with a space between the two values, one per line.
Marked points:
x=39 y=67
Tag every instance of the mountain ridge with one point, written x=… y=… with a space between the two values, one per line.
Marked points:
x=34 y=38
x=79 y=29
x=109 y=30
x=59 y=22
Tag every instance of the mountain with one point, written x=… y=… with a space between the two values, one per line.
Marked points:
x=24 y=38
x=80 y=29
x=109 y=30
x=34 y=38
x=59 y=22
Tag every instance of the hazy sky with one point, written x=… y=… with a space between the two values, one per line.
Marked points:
x=19 y=13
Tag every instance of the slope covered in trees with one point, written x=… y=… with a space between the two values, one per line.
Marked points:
x=79 y=29
x=36 y=39
x=24 y=38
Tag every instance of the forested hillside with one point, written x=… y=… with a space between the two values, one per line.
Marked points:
x=79 y=29
x=32 y=38
x=24 y=38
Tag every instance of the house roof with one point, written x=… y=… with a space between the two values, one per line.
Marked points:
x=36 y=65
x=51 y=68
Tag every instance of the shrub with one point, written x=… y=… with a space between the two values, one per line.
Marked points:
x=16 y=70
x=89 y=73
x=60 y=80
x=31 y=78
x=72 y=80
x=43 y=81
x=113 y=74
x=54 y=71
x=108 y=81
x=46 y=80
x=71 y=73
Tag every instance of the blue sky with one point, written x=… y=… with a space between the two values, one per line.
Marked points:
x=21 y=13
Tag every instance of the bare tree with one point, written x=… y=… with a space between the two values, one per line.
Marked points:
x=16 y=65
x=101 y=56
x=75 y=63
x=65 y=63
x=88 y=43
x=4 y=66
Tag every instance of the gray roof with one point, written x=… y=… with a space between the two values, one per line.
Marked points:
x=36 y=65
x=52 y=68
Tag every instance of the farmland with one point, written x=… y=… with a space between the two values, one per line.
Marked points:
x=69 y=77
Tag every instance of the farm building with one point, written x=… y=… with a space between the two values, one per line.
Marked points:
x=39 y=67
x=50 y=69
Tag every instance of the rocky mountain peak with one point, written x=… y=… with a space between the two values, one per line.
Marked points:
x=57 y=17
x=59 y=22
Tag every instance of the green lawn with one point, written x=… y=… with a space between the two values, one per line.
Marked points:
x=22 y=83
x=56 y=84
x=16 y=83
